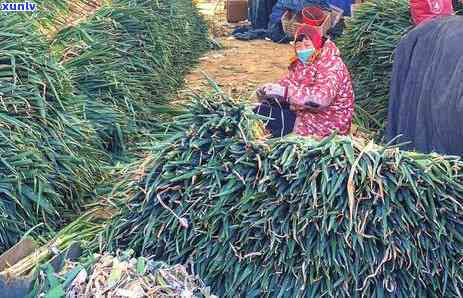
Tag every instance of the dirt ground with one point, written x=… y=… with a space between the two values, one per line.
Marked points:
x=240 y=66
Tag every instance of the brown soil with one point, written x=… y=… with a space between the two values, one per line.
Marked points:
x=241 y=66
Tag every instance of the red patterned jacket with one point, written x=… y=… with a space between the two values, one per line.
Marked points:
x=321 y=93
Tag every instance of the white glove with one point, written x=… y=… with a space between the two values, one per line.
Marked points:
x=271 y=91
x=274 y=90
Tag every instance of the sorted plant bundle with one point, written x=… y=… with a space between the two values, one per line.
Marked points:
x=50 y=157
x=121 y=276
x=127 y=58
x=63 y=107
x=293 y=217
x=53 y=15
x=367 y=46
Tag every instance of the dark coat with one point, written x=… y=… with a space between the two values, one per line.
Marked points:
x=426 y=95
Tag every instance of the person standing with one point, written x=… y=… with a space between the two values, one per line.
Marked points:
x=426 y=94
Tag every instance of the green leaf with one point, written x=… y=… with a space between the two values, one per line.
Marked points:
x=56 y=292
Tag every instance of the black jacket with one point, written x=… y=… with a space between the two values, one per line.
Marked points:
x=426 y=96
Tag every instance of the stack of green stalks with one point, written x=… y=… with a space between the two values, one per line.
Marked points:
x=292 y=217
x=367 y=46
x=50 y=156
x=127 y=59
x=65 y=104
x=54 y=15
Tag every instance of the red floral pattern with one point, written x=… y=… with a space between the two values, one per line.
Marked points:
x=321 y=94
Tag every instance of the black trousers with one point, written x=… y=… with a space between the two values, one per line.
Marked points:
x=259 y=12
x=281 y=120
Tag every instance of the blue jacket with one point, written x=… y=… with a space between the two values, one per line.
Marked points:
x=300 y=4
x=343 y=4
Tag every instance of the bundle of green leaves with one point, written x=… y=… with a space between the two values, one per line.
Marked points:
x=292 y=217
x=367 y=47
x=127 y=59
x=69 y=106
x=50 y=156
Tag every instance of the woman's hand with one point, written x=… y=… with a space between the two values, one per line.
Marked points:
x=260 y=92
x=310 y=106
x=275 y=90
x=271 y=90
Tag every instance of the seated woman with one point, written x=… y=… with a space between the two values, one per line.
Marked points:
x=316 y=95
